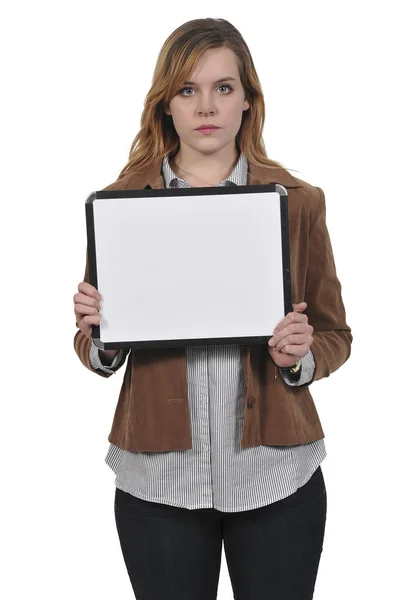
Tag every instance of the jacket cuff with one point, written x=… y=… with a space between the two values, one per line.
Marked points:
x=96 y=362
x=306 y=372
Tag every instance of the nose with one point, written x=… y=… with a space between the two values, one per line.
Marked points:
x=206 y=112
x=205 y=105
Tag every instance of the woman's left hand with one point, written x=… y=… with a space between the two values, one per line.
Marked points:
x=292 y=337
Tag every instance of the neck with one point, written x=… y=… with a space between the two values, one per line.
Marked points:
x=208 y=168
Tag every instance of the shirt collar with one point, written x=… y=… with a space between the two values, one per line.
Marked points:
x=237 y=177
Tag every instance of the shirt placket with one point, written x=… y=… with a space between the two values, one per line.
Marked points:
x=201 y=397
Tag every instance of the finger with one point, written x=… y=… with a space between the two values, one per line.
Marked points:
x=292 y=317
x=299 y=309
x=300 y=306
x=296 y=349
x=86 y=288
x=86 y=300
x=292 y=328
x=83 y=309
x=91 y=319
x=293 y=340
x=85 y=324
x=287 y=319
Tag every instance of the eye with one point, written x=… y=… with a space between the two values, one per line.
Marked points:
x=224 y=85
x=185 y=88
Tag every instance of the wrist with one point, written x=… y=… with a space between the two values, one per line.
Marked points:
x=107 y=356
x=292 y=369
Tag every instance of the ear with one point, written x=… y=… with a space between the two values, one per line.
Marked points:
x=246 y=105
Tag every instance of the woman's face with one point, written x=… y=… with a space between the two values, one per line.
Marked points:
x=214 y=94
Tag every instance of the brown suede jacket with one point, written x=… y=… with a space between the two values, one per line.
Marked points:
x=152 y=412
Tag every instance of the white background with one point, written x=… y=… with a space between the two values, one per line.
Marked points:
x=75 y=75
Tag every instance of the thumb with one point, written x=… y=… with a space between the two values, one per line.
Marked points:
x=300 y=307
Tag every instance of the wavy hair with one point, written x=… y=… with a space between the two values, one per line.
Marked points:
x=176 y=61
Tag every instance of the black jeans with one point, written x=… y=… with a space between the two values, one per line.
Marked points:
x=272 y=552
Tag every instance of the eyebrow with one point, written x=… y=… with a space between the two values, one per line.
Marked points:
x=218 y=80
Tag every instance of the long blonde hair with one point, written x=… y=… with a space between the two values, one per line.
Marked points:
x=176 y=61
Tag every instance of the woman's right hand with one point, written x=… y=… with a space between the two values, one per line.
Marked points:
x=87 y=307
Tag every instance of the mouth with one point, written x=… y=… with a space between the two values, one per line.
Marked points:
x=207 y=129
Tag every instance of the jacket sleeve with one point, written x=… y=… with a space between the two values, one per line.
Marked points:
x=332 y=336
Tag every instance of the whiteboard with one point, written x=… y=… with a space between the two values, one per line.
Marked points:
x=189 y=266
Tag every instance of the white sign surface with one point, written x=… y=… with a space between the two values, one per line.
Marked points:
x=189 y=267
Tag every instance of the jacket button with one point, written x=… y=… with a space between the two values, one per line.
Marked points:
x=251 y=402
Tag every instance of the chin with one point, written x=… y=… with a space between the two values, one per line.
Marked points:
x=207 y=144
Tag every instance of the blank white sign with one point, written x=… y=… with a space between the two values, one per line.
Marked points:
x=189 y=267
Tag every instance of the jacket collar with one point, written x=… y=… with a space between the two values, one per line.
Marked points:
x=153 y=178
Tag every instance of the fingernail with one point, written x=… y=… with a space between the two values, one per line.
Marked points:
x=271 y=342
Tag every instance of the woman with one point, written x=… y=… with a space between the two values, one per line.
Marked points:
x=221 y=443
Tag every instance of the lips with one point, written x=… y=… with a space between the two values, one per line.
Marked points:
x=207 y=131
x=206 y=128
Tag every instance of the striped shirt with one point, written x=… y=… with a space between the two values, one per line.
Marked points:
x=216 y=472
